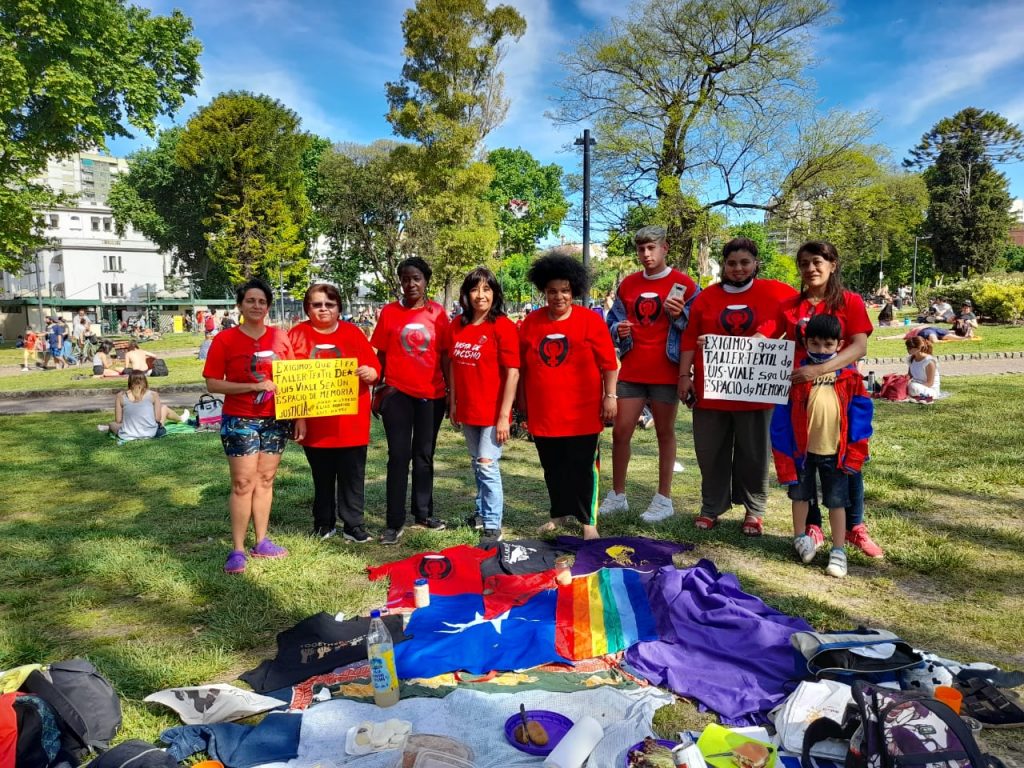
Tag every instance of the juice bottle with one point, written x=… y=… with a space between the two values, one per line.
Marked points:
x=381 y=653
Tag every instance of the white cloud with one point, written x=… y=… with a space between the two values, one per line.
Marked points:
x=602 y=10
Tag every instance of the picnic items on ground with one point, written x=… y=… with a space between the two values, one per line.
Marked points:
x=577 y=745
x=380 y=652
x=213 y=703
x=208 y=410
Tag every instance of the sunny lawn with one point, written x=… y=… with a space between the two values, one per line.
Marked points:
x=116 y=552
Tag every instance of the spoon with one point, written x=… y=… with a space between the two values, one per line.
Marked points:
x=526 y=730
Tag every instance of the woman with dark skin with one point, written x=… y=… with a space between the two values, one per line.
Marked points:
x=412 y=338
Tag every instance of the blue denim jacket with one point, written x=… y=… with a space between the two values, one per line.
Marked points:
x=274 y=740
x=675 y=332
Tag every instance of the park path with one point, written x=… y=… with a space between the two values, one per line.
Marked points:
x=185 y=396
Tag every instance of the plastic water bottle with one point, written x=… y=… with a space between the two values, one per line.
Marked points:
x=380 y=651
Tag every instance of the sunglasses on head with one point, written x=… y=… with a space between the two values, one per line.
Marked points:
x=323 y=305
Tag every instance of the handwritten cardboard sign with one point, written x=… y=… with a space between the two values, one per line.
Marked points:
x=747 y=369
x=310 y=388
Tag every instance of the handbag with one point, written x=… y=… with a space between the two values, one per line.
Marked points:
x=895 y=386
x=208 y=412
x=380 y=394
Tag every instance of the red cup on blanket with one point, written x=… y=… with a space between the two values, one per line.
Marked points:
x=949 y=696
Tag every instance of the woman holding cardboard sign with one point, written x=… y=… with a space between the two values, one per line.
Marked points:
x=730 y=437
x=335 y=446
x=239 y=366
x=822 y=292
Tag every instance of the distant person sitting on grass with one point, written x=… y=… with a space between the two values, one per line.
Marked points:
x=103 y=364
x=923 y=370
x=137 y=360
x=138 y=412
x=966 y=321
x=822 y=431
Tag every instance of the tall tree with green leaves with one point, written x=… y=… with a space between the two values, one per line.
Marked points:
x=700 y=105
x=252 y=149
x=449 y=97
x=969 y=200
x=527 y=197
x=74 y=73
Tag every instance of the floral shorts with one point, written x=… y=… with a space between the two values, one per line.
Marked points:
x=245 y=435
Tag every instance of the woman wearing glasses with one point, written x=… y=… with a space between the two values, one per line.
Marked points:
x=335 y=446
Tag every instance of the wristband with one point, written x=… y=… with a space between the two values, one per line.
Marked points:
x=613 y=397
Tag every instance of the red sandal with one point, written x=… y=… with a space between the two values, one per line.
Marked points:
x=704 y=523
x=752 y=526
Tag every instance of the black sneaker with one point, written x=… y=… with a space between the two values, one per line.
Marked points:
x=490 y=536
x=475 y=521
x=431 y=524
x=358 y=535
x=391 y=536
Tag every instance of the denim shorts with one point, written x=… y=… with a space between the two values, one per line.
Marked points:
x=659 y=393
x=835 y=484
x=245 y=435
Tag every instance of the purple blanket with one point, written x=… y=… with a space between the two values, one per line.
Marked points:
x=719 y=645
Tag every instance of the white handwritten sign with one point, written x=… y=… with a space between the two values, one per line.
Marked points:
x=751 y=370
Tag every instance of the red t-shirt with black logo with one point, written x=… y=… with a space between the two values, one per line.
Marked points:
x=644 y=299
x=413 y=341
x=480 y=355
x=236 y=356
x=714 y=311
x=345 y=341
x=562 y=364
x=796 y=312
x=452 y=571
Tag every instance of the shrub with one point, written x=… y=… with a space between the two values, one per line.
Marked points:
x=997 y=297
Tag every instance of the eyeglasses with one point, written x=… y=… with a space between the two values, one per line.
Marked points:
x=323 y=305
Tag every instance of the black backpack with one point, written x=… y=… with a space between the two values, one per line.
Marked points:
x=892 y=728
x=85 y=702
x=158 y=367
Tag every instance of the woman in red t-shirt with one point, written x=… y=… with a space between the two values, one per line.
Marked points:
x=239 y=366
x=335 y=446
x=485 y=372
x=569 y=374
x=412 y=339
x=823 y=293
x=730 y=437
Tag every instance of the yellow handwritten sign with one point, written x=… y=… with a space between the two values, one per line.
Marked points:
x=310 y=388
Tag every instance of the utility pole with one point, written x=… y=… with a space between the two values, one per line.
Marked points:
x=586 y=142
x=39 y=287
x=913 y=280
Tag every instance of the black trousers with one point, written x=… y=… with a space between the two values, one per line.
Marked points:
x=571 y=469
x=411 y=425
x=339 y=479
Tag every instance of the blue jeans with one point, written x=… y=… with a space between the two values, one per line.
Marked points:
x=490 y=497
x=854 y=512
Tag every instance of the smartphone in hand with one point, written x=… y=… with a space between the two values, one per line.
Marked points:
x=678 y=290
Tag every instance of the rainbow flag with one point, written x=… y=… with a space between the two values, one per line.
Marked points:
x=604 y=612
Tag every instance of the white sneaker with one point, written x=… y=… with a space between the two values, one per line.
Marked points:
x=103 y=427
x=805 y=548
x=613 y=502
x=660 y=509
x=677 y=467
x=185 y=416
x=24 y=367
x=836 y=563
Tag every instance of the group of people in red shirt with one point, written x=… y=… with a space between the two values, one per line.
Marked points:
x=560 y=367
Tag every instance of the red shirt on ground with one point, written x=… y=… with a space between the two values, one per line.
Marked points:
x=562 y=365
x=795 y=312
x=346 y=341
x=413 y=341
x=452 y=571
x=480 y=355
x=644 y=298
x=235 y=356
x=714 y=311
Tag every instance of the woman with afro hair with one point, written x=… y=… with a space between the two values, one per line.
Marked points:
x=567 y=388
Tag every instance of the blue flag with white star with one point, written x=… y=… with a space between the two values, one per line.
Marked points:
x=451 y=634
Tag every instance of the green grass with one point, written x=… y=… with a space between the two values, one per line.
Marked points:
x=993 y=338
x=116 y=552
x=168 y=343
x=182 y=370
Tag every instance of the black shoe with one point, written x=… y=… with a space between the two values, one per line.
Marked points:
x=431 y=524
x=358 y=535
x=391 y=536
x=490 y=536
x=475 y=521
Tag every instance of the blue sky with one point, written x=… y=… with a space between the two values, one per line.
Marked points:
x=911 y=62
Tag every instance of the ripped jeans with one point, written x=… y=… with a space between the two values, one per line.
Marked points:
x=490 y=497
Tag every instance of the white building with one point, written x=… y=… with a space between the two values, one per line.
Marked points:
x=1017 y=210
x=87 y=261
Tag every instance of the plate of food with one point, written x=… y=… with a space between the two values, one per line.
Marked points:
x=544 y=729
x=651 y=753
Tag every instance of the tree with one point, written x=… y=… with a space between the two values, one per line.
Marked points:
x=701 y=105
x=775 y=265
x=448 y=99
x=252 y=149
x=518 y=176
x=969 y=200
x=75 y=72
x=365 y=198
